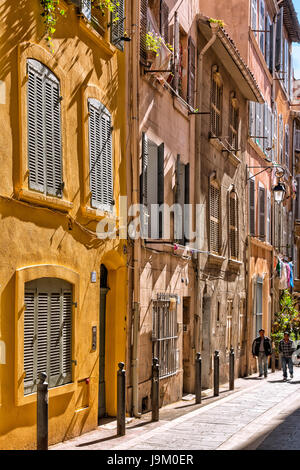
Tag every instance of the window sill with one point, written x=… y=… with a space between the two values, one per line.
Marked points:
x=221 y=147
x=215 y=260
x=53 y=392
x=46 y=201
x=96 y=37
x=257 y=242
x=259 y=150
x=96 y=214
x=234 y=265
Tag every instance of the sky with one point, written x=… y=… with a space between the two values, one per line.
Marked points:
x=296 y=47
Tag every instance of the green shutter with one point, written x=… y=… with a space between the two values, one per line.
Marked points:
x=101 y=165
x=117 y=24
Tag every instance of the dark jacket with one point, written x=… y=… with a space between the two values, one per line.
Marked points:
x=267 y=346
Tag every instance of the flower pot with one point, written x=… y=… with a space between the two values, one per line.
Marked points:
x=151 y=56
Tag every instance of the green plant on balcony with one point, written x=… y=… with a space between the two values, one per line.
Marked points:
x=153 y=43
x=51 y=12
x=287 y=319
x=219 y=22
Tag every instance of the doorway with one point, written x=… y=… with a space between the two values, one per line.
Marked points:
x=102 y=338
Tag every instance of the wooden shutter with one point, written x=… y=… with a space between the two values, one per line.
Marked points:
x=35 y=109
x=268 y=38
x=268 y=217
x=143 y=29
x=66 y=334
x=279 y=38
x=191 y=72
x=271 y=57
x=214 y=215
x=164 y=21
x=42 y=332
x=298 y=198
x=176 y=51
x=117 y=24
x=252 y=118
x=55 y=335
x=30 y=341
x=252 y=207
x=161 y=184
x=262 y=212
x=187 y=210
x=53 y=138
x=101 y=165
x=287 y=145
x=180 y=197
x=144 y=186
x=233 y=226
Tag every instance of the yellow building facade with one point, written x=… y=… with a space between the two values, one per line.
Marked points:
x=63 y=297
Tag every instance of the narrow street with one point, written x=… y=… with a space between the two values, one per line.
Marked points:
x=262 y=414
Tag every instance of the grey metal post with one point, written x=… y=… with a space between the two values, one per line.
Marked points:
x=273 y=360
x=231 y=369
x=155 y=390
x=121 y=393
x=42 y=412
x=198 y=384
x=216 y=373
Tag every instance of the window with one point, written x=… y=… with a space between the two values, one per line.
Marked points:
x=191 y=72
x=258 y=304
x=233 y=226
x=44 y=130
x=47 y=332
x=228 y=342
x=269 y=226
x=287 y=146
x=214 y=217
x=263 y=30
x=182 y=198
x=117 y=24
x=216 y=103
x=154 y=16
x=233 y=123
x=152 y=188
x=165 y=336
x=101 y=164
x=279 y=42
x=242 y=324
x=280 y=139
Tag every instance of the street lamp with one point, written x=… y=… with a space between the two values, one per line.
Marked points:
x=279 y=192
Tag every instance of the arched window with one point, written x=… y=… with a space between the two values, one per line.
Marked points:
x=214 y=217
x=47 y=332
x=233 y=226
x=216 y=102
x=101 y=164
x=44 y=130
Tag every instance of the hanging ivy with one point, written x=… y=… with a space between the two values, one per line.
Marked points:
x=51 y=12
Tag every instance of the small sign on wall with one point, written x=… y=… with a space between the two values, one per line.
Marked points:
x=93 y=276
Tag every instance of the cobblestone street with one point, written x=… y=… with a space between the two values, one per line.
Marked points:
x=260 y=414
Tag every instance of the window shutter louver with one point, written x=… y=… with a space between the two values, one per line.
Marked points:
x=101 y=166
x=55 y=325
x=35 y=105
x=160 y=183
x=29 y=341
x=143 y=29
x=66 y=333
x=144 y=186
x=268 y=37
x=254 y=16
x=262 y=216
x=86 y=9
x=252 y=207
x=298 y=198
x=287 y=146
x=214 y=210
x=117 y=24
x=191 y=72
x=42 y=335
x=164 y=21
x=268 y=217
x=279 y=32
x=252 y=118
x=271 y=57
x=176 y=51
x=187 y=209
x=53 y=139
x=180 y=197
x=233 y=226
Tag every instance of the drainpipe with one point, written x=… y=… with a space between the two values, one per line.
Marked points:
x=134 y=146
x=214 y=28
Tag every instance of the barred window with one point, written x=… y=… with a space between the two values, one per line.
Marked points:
x=165 y=336
x=216 y=103
x=214 y=217
x=233 y=226
x=233 y=123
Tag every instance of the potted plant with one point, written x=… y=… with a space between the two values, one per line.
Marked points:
x=153 y=45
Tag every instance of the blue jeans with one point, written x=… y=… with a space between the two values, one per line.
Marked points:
x=263 y=364
x=287 y=361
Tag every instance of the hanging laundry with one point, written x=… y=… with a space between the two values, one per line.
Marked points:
x=288 y=274
x=292 y=274
x=283 y=278
x=278 y=268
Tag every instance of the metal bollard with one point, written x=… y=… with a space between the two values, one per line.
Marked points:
x=216 y=373
x=121 y=388
x=198 y=383
x=273 y=360
x=231 y=369
x=155 y=390
x=42 y=412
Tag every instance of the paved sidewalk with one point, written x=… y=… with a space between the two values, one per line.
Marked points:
x=243 y=419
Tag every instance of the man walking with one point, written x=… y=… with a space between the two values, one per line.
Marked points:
x=262 y=348
x=286 y=350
